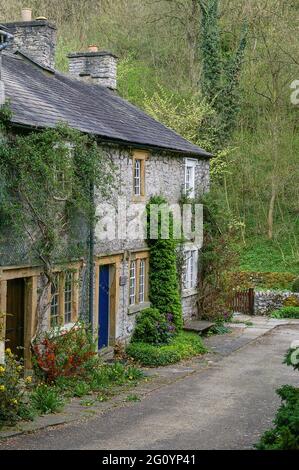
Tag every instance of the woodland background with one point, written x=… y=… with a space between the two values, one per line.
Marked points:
x=218 y=72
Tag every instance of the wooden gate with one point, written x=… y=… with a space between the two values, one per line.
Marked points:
x=243 y=302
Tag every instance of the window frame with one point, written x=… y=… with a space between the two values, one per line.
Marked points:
x=140 y=259
x=132 y=286
x=68 y=301
x=61 y=277
x=55 y=302
x=137 y=177
x=190 y=190
x=141 y=156
x=142 y=274
x=190 y=273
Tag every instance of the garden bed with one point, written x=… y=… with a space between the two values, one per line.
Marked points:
x=182 y=346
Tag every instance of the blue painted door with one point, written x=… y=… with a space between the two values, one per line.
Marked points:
x=104 y=306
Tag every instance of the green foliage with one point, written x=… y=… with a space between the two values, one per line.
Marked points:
x=117 y=374
x=211 y=49
x=81 y=388
x=163 y=277
x=217 y=256
x=133 y=397
x=286 y=312
x=292 y=358
x=285 y=434
x=47 y=399
x=182 y=346
x=259 y=280
x=153 y=327
x=45 y=184
x=188 y=116
x=219 y=329
x=295 y=285
x=220 y=72
x=12 y=388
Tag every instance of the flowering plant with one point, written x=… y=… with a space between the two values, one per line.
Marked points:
x=12 y=387
x=63 y=352
x=154 y=327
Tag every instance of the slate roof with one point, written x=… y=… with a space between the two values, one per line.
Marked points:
x=43 y=97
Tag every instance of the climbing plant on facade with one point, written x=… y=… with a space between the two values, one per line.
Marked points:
x=164 y=291
x=46 y=200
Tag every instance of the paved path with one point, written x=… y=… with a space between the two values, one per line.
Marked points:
x=224 y=406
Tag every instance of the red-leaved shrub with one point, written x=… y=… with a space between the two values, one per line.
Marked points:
x=62 y=353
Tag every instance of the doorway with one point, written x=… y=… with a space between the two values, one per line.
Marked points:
x=107 y=305
x=104 y=305
x=15 y=316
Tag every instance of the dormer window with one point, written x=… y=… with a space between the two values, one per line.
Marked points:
x=190 y=178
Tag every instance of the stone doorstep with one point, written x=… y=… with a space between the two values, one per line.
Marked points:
x=159 y=377
x=198 y=326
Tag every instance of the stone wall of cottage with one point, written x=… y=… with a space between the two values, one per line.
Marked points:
x=164 y=175
x=265 y=302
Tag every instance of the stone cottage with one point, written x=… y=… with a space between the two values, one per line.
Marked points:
x=149 y=158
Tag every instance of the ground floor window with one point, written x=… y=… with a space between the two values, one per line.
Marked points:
x=132 y=282
x=54 y=312
x=190 y=269
x=138 y=284
x=63 y=306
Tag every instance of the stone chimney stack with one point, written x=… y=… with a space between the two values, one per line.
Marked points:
x=36 y=38
x=94 y=66
x=5 y=39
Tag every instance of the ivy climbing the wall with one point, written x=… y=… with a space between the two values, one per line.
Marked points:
x=164 y=291
x=46 y=200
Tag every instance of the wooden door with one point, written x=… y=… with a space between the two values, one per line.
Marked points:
x=15 y=309
x=104 y=307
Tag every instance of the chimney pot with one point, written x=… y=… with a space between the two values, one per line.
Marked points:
x=93 y=48
x=26 y=14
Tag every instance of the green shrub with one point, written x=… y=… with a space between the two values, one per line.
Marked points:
x=12 y=388
x=182 y=346
x=164 y=292
x=285 y=434
x=152 y=327
x=292 y=358
x=286 y=312
x=295 y=285
x=47 y=399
